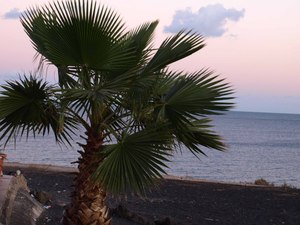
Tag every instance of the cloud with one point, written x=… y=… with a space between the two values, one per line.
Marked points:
x=209 y=20
x=12 y=14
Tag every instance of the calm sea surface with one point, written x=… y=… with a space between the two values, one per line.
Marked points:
x=260 y=145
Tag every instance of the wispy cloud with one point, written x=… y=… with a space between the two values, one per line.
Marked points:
x=209 y=20
x=12 y=14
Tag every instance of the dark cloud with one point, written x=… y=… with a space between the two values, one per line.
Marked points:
x=12 y=14
x=209 y=20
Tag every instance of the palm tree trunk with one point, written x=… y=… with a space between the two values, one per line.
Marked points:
x=88 y=205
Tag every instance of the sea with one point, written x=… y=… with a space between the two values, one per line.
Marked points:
x=259 y=145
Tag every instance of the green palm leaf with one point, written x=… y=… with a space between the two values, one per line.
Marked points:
x=77 y=33
x=134 y=162
x=140 y=41
x=197 y=134
x=28 y=106
x=192 y=95
x=175 y=48
x=184 y=101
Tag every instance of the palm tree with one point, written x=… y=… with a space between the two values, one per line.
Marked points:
x=118 y=88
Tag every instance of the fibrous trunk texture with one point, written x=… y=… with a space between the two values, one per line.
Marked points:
x=88 y=205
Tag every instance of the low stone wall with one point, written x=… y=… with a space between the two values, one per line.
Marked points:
x=17 y=207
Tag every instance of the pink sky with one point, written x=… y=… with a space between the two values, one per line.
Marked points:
x=259 y=53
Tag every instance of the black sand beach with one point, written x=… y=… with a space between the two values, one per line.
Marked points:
x=183 y=202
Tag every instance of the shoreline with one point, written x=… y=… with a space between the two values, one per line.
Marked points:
x=42 y=167
x=69 y=169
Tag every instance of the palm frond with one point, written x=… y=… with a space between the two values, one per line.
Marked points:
x=196 y=134
x=140 y=40
x=77 y=33
x=29 y=106
x=134 y=162
x=175 y=48
x=198 y=94
x=184 y=101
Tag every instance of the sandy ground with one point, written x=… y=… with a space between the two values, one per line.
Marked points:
x=183 y=202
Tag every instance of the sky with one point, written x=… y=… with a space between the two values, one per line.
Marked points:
x=254 y=44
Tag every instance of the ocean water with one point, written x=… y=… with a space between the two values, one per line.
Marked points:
x=260 y=145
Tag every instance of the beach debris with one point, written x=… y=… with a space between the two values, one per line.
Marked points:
x=124 y=212
x=48 y=220
x=61 y=203
x=211 y=219
x=18 y=173
x=42 y=196
x=164 y=221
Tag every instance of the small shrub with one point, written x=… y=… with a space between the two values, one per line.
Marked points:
x=286 y=186
x=262 y=181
